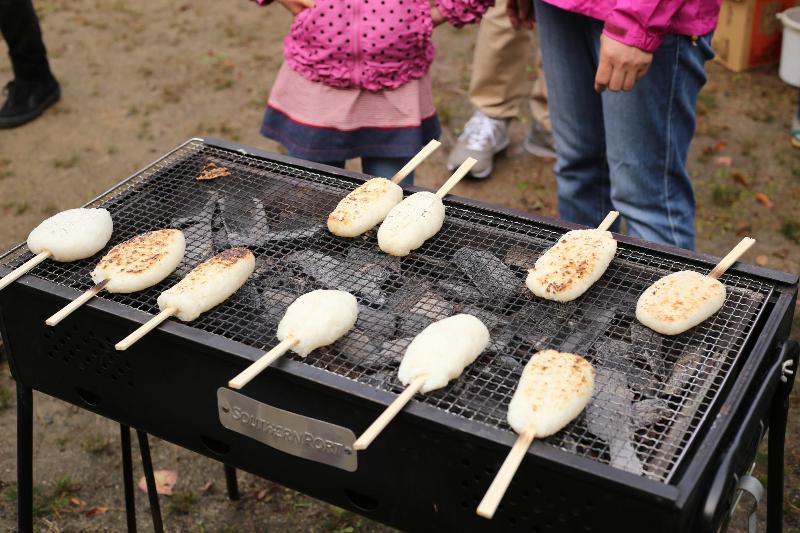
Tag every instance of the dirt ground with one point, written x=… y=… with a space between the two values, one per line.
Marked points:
x=139 y=78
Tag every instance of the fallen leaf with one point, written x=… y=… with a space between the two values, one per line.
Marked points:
x=724 y=160
x=720 y=146
x=762 y=260
x=94 y=511
x=764 y=200
x=743 y=229
x=165 y=481
x=740 y=178
x=77 y=502
x=205 y=487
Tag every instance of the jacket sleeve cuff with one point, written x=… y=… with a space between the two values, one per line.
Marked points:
x=461 y=12
x=627 y=31
x=263 y=2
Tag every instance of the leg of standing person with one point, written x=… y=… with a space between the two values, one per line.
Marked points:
x=539 y=140
x=648 y=131
x=576 y=113
x=497 y=83
x=386 y=167
x=34 y=87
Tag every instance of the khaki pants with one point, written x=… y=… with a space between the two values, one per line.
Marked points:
x=499 y=69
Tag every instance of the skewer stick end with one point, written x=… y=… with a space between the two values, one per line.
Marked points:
x=610 y=218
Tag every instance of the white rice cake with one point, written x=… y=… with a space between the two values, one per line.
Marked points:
x=410 y=223
x=443 y=350
x=364 y=208
x=318 y=318
x=209 y=284
x=554 y=388
x=142 y=261
x=679 y=302
x=572 y=265
x=72 y=234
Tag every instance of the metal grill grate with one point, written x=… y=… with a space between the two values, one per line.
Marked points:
x=652 y=392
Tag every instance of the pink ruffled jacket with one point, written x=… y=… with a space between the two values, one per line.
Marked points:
x=370 y=44
x=643 y=23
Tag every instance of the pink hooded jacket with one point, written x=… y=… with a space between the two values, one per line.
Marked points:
x=370 y=44
x=643 y=23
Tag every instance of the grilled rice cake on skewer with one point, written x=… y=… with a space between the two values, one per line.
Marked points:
x=66 y=236
x=208 y=284
x=572 y=265
x=554 y=388
x=131 y=266
x=682 y=300
x=317 y=318
x=141 y=262
x=442 y=351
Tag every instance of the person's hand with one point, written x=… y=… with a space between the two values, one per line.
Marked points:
x=521 y=13
x=436 y=16
x=296 y=6
x=620 y=65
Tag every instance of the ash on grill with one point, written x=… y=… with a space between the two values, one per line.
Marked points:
x=652 y=391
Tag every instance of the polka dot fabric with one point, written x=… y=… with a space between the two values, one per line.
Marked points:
x=369 y=44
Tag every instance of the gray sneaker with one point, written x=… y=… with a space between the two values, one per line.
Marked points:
x=483 y=137
x=539 y=142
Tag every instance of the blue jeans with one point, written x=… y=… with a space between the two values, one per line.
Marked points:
x=384 y=167
x=623 y=151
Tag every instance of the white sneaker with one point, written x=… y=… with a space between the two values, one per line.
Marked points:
x=483 y=137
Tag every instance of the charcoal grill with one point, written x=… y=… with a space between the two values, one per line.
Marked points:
x=680 y=421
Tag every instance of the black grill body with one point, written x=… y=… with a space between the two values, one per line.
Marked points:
x=430 y=467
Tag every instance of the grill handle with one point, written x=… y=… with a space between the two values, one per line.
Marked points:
x=720 y=495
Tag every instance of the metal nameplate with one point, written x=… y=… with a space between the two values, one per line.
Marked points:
x=288 y=432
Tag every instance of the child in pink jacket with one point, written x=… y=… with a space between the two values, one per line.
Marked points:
x=355 y=79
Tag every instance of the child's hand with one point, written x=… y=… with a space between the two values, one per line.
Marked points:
x=296 y=6
x=436 y=16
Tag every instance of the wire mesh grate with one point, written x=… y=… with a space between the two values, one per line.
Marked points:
x=652 y=391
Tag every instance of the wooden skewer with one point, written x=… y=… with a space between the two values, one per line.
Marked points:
x=261 y=363
x=504 y=476
x=145 y=328
x=23 y=269
x=414 y=162
x=610 y=218
x=460 y=172
x=382 y=421
x=76 y=303
x=726 y=262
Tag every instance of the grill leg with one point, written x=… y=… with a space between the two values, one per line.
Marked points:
x=231 y=483
x=24 y=458
x=152 y=495
x=127 y=477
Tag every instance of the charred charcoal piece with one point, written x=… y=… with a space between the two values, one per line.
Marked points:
x=276 y=301
x=620 y=356
x=521 y=257
x=648 y=344
x=360 y=349
x=199 y=247
x=408 y=294
x=428 y=309
x=377 y=323
x=360 y=258
x=686 y=370
x=293 y=230
x=244 y=220
x=459 y=291
x=610 y=417
x=648 y=412
x=203 y=216
x=489 y=319
x=394 y=350
x=489 y=274
x=335 y=274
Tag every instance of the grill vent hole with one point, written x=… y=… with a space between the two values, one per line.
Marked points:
x=361 y=501
x=89 y=398
x=214 y=446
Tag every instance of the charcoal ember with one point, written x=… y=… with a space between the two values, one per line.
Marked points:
x=489 y=274
x=376 y=322
x=521 y=257
x=425 y=311
x=335 y=274
x=489 y=319
x=539 y=322
x=686 y=370
x=382 y=379
x=459 y=290
x=394 y=350
x=361 y=258
x=648 y=344
x=501 y=342
x=609 y=416
x=293 y=230
x=275 y=302
x=204 y=215
x=360 y=349
x=621 y=356
x=648 y=412
x=199 y=247
x=408 y=294
x=244 y=220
